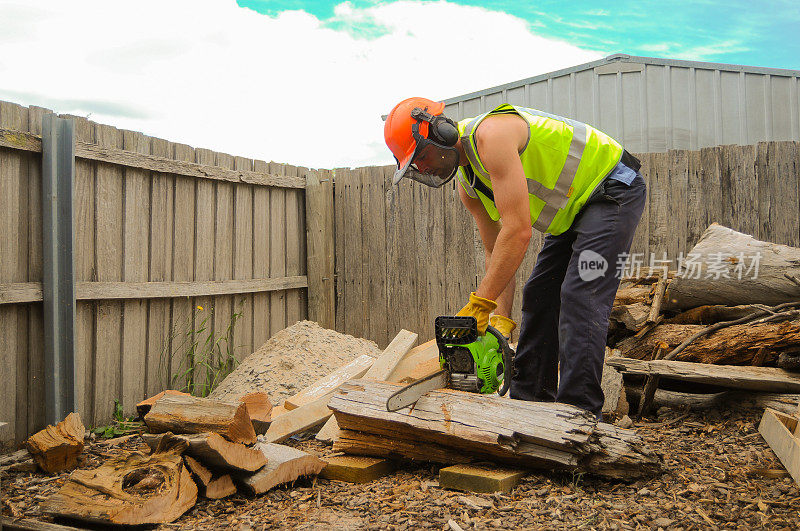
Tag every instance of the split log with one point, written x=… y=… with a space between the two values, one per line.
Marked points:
x=529 y=434
x=212 y=486
x=725 y=269
x=632 y=295
x=143 y=407
x=726 y=400
x=380 y=370
x=57 y=448
x=284 y=465
x=331 y=382
x=129 y=489
x=710 y=314
x=360 y=443
x=632 y=316
x=212 y=450
x=733 y=345
x=190 y=414
x=768 y=379
x=615 y=403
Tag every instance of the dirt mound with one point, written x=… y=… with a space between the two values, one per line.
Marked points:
x=294 y=358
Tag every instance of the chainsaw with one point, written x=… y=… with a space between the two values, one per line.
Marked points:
x=468 y=362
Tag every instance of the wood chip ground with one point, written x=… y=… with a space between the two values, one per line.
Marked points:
x=720 y=474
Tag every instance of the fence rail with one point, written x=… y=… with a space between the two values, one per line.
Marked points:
x=408 y=253
x=160 y=229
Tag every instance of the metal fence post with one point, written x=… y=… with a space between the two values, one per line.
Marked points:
x=58 y=282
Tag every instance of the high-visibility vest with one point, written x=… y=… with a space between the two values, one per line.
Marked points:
x=564 y=161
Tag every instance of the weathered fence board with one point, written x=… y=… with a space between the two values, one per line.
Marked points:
x=157 y=224
x=433 y=257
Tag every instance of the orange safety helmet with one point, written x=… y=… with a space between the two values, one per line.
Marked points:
x=422 y=141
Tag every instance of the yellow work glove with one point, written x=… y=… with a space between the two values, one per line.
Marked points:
x=503 y=324
x=479 y=308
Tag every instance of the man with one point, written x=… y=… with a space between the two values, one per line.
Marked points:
x=520 y=168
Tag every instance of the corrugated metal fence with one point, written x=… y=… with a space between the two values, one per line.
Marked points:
x=409 y=253
x=224 y=233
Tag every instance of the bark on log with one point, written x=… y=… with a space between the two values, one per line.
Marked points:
x=189 y=414
x=631 y=316
x=57 y=448
x=767 y=379
x=632 y=295
x=529 y=434
x=730 y=253
x=734 y=345
x=284 y=465
x=212 y=450
x=129 y=489
x=212 y=486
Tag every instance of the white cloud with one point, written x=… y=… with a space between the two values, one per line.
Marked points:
x=289 y=88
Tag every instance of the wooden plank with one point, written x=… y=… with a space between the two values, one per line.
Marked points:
x=13 y=176
x=277 y=253
x=204 y=237
x=243 y=261
x=769 y=379
x=356 y=468
x=774 y=427
x=183 y=309
x=395 y=304
x=741 y=162
x=659 y=203
x=356 y=319
x=340 y=248
x=423 y=251
x=380 y=370
x=373 y=218
x=135 y=248
x=36 y=376
x=641 y=238
x=678 y=219
x=436 y=273
x=299 y=420
x=480 y=478
x=17 y=292
x=327 y=384
x=777 y=192
x=27 y=524
x=84 y=247
x=320 y=249
x=16 y=139
x=295 y=249
x=108 y=316
x=159 y=322
x=261 y=220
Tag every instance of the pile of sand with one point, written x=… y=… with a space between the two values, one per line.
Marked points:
x=292 y=359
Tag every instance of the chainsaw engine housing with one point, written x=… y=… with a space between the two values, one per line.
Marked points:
x=475 y=363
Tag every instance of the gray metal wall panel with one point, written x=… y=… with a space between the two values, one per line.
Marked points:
x=657 y=104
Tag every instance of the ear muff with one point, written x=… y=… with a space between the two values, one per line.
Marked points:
x=441 y=129
x=445 y=130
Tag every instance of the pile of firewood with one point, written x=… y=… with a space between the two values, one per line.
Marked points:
x=197 y=446
x=735 y=301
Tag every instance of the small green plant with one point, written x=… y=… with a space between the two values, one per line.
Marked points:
x=200 y=359
x=120 y=425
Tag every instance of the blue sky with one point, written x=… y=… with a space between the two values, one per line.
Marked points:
x=740 y=32
x=247 y=77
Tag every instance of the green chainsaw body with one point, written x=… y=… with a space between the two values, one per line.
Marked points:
x=475 y=363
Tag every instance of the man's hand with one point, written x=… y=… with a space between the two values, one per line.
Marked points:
x=479 y=308
x=503 y=324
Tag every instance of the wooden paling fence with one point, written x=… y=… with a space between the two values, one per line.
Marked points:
x=160 y=230
x=406 y=254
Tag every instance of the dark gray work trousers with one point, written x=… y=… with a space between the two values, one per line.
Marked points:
x=566 y=302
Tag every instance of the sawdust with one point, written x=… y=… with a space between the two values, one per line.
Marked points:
x=293 y=359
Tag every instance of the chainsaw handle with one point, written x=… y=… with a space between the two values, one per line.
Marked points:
x=508 y=360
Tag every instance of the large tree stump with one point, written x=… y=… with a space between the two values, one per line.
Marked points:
x=190 y=414
x=529 y=434
x=723 y=259
x=129 y=489
x=57 y=448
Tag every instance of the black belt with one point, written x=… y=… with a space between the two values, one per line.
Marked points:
x=630 y=161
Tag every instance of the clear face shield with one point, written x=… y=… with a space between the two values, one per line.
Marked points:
x=432 y=164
